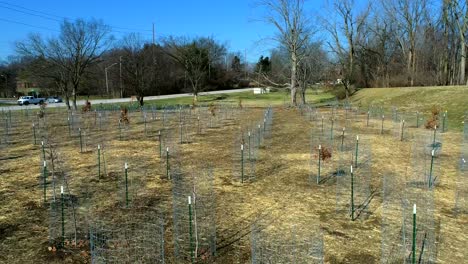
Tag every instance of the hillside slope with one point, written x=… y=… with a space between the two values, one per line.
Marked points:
x=453 y=99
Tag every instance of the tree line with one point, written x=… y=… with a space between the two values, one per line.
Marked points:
x=382 y=43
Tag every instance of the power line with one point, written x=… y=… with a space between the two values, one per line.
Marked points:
x=49 y=16
x=29 y=25
x=28 y=13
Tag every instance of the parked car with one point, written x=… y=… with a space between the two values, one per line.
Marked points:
x=29 y=99
x=54 y=99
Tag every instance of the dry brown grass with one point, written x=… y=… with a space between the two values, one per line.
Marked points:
x=281 y=194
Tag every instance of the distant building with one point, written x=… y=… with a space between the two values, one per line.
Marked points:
x=26 y=87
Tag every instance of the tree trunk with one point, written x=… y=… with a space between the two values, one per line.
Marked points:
x=293 y=78
x=410 y=67
x=462 y=60
x=74 y=98
x=140 y=100
x=67 y=101
x=303 y=97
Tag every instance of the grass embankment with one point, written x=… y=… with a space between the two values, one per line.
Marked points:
x=247 y=98
x=453 y=99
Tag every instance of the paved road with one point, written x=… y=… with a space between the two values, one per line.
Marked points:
x=123 y=100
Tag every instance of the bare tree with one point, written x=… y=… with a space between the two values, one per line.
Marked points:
x=311 y=67
x=408 y=16
x=139 y=66
x=350 y=26
x=460 y=12
x=79 y=45
x=195 y=56
x=294 y=30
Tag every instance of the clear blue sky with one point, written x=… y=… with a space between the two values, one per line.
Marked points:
x=232 y=22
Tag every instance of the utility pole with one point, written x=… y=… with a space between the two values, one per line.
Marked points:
x=120 y=77
x=107 y=80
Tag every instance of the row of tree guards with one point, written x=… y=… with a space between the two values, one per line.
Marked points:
x=251 y=139
x=167 y=140
x=331 y=151
x=334 y=147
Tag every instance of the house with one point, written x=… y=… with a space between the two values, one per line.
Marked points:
x=25 y=87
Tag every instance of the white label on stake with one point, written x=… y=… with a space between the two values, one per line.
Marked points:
x=351 y=168
x=432 y=153
x=320 y=146
x=357 y=138
x=189 y=199
x=45 y=163
x=126 y=165
x=167 y=149
x=414 y=208
x=98 y=146
x=61 y=189
x=242 y=146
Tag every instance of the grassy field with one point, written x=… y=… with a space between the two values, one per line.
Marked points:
x=281 y=193
x=246 y=98
x=453 y=99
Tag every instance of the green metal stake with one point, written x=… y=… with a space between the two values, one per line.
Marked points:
x=413 y=250
x=402 y=130
x=44 y=176
x=352 y=194
x=100 y=121
x=81 y=141
x=331 y=129
x=99 y=160
x=192 y=253
x=69 y=128
x=180 y=131
x=242 y=163
x=342 y=138
x=444 y=118
x=34 y=133
x=381 y=128
x=126 y=184
x=144 y=120
x=356 y=154
x=259 y=134
x=43 y=151
x=417 y=119
x=160 y=144
x=367 y=122
x=319 y=162
x=167 y=163
x=120 y=130
x=63 y=216
x=322 y=125
x=249 y=147
x=431 y=168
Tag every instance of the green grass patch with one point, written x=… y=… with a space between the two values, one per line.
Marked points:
x=453 y=99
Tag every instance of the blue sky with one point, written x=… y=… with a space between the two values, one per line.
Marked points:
x=232 y=22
